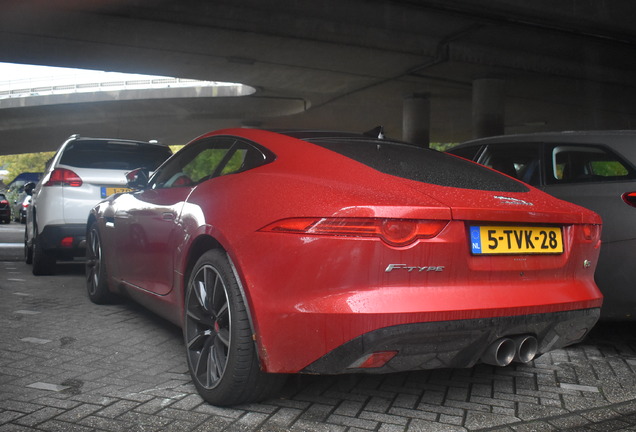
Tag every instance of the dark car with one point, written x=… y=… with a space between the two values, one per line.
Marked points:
x=5 y=209
x=596 y=170
x=309 y=252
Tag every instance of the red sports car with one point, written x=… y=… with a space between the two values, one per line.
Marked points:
x=315 y=252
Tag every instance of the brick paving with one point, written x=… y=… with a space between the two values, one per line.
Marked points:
x=69 y=365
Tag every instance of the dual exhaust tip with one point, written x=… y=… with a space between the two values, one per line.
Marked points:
x=502 y=352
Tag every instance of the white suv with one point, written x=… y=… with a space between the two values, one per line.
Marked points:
x=83 y=172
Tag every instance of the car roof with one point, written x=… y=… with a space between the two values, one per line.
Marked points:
x=623 y=141
x=115 y=140
x=26 y=177
x=318 y=135
x=592 y=137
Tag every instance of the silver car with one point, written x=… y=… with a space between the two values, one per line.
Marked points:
x=596 y=170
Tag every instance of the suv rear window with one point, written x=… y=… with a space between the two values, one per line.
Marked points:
x=421 y=164
x=114 y=155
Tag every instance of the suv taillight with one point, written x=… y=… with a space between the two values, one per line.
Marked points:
x=630 y=198
x=63 y=177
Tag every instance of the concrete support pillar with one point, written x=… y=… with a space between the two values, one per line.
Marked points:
x=488 y=107
x=416 y=119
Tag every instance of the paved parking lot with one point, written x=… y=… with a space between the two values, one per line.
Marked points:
x=69 y=365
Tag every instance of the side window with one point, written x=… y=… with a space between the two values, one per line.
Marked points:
x=468 y=152
x=205 y=163
x=235 y=161
x=518 y=160
x=206 y=159
x=587 y=163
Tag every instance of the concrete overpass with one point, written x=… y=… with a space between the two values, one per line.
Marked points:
x=460 y=68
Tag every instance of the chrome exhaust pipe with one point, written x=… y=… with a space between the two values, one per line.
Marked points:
x=499 y=353
x=526 y=348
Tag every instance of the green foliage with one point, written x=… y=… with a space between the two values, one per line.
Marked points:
x=208 y=160
x=204 y=164
x=28 y=162
x=442 y=146
x=609 y=169
x=17 y=164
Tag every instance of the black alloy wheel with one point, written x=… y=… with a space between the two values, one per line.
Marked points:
x=96 y=277
x=218 y=337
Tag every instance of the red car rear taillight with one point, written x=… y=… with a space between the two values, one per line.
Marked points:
x=395 y=232
x=63 y=177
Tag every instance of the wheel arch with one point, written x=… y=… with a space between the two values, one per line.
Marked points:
x=201 y=245
x=91 y=220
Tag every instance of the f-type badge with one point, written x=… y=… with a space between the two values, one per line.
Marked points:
x=410 y=269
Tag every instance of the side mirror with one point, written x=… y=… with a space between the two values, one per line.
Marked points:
x=28 y=188
x=138 y=178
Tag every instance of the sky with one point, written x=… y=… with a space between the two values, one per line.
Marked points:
x=19 y=80
x=19 y=73
x=16 y=76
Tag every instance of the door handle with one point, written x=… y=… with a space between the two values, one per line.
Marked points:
x=167 y=216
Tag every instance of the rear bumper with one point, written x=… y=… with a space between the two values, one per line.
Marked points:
x=52 y=235
x=452 y=344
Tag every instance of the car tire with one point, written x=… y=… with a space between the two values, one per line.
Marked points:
x=28 y=250
x=220 y=350
x=43 y=262
x=96 y=276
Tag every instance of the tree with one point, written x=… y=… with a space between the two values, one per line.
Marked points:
x=28 y=162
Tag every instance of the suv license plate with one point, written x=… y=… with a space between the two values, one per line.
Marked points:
x=486 y=240
x=108 y=191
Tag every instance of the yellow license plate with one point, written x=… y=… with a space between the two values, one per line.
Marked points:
x=486 y=240
x=108 y=191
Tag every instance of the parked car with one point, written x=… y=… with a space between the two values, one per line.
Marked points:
x=82 y=172
x=309 y=252
x=19 y=196
x=5 y=209
x=22 y=213
x=16 y=209
x=23 y=178
x=592 y=169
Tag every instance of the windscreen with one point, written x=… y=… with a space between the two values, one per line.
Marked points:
x=421 y=164
x=114 y=155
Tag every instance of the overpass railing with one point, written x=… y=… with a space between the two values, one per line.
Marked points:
x=133 y=84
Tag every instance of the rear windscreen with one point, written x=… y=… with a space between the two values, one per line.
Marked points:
x=421 y=164
x=114 y=155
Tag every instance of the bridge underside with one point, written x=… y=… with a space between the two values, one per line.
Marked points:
x=328 y=64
